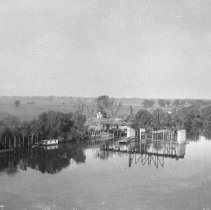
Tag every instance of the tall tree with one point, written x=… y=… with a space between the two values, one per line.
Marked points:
x=168 y=103
x=17 y=103
x=160 y=119
x=105 y=104
x=80 y=106
x=161 y=102
x=131 y=110
x=147 y=103
x=176 y=102
x=130 y=118
x=143 y=118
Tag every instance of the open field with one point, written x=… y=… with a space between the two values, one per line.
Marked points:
x=31 y=107
x=27 y=112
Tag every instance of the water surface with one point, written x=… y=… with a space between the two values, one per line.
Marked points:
x=78 y=176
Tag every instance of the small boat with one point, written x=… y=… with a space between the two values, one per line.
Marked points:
x=49 y=142
x=35 y=145
x=51 y=147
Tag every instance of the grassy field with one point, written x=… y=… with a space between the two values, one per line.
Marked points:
x=27 y=112
x=31 y=107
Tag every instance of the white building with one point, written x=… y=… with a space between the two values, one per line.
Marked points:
x=130 y=132
x=99 y=115
x=181 y=136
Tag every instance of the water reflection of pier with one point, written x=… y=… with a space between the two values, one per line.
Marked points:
x=155 y=152
x=146 y=159
x=151 y=147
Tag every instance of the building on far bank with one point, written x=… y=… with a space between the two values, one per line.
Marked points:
x=99 y=115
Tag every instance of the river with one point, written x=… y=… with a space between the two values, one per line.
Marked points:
x=79 y=176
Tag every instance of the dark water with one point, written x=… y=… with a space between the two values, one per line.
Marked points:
x=77 y=176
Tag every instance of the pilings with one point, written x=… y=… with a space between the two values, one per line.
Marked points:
x=18 y=141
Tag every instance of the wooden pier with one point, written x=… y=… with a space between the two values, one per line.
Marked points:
x=160 y=135
x=153 y=147
x=156 y=151
x=10 y=142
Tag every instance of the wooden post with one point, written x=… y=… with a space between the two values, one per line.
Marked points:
x=19 y=143
x=9 y=142
x=14 y=142
x=32 y=139
x=163 y=136
x=5 y=142
x=23 y=140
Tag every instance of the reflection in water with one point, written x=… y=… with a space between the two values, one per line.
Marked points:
x=148 y=152
x=155 y=152
x=106 y=181
x=53 y=159
x=193 y=135
x=50 y=159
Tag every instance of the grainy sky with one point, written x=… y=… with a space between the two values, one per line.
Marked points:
x=123 y=48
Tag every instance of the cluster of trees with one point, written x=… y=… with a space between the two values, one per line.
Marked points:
x=17 y=103
x=48 y=125
x=164 y=103
x=206 y=114
x=57 y=124
x=107 y=106
x=158 y=119
x=179 y=102
x=190 y=118
x=148 y=103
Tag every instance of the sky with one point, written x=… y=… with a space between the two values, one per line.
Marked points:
x=122 y=48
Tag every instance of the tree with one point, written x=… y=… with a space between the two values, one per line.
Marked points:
x=80 y=106
x=191 y=118
x=143 y=118
x=148 y=103
x=11 y=121
x=131 y=110
x=130 y=117
x=118 y=107
x=54 y=124
x=176 y=102
x=182 y=102
x=160 y=119
x=161 y=102
x=17 y=103
x=168 y=103
x=105 y=104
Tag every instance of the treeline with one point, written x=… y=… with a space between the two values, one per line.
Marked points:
x=177 y=103
x=69 y=126
x=191 y=118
